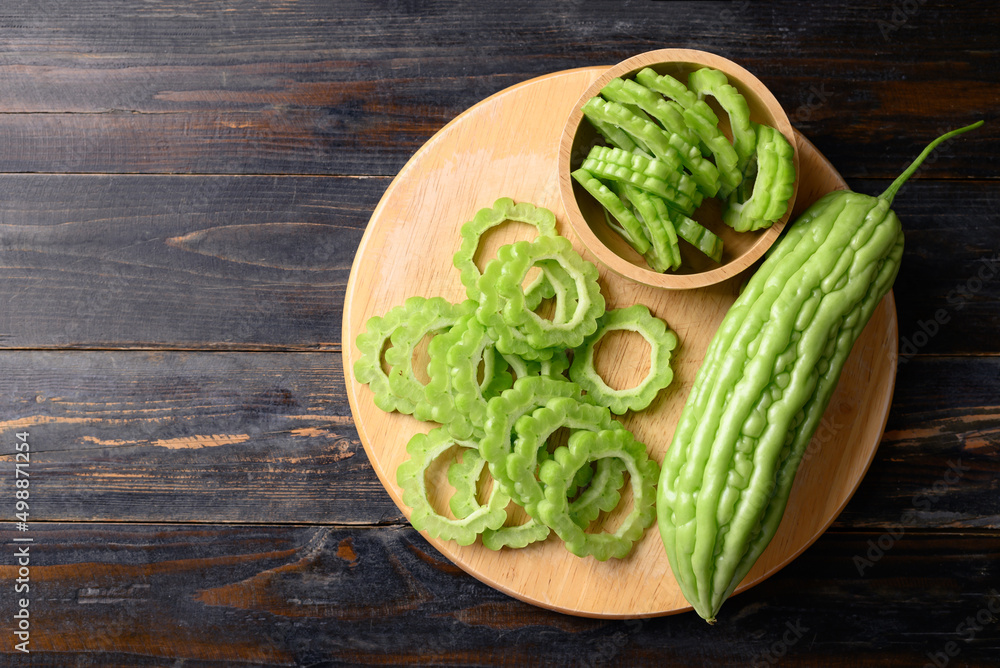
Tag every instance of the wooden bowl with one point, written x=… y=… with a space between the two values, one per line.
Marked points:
x=740 y=249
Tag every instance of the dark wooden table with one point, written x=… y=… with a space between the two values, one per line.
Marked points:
x=183 y=186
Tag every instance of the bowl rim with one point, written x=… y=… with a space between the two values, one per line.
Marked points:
x=744 y=80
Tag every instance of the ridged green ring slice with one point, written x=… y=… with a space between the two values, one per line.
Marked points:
x=424 y=316
x=588 y=446
x=532 y=434
x=662 y=341
x=503 y=309
x=423 y=450
x=503 y=209
x=516 y=536
x=709 y=81
x=527 y=394
x=464 y=476
x=626 y=224
x=454 y=394
x=403 y=326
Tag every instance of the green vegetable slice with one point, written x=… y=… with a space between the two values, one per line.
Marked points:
x=560 y=287
x=368 y=368
x=708 y=81
x=454 y=395
x=662 y=341
x=587 y=446
x=404 y=327
x=463 y=475
x=629 y=227
x=615 y=136
x=503 y=209
x=726 y=159
x=698 y=236
x=432 y=316
x=667 y=113
x=552 y=283
x=680 y=193
x=527 y=394
x=669 y=87
x=772 y=187
x=653 y=167
x=502 y=307
x=424 y=449
x=665 y=253
x=601 y=493
x=533 y=432
x=519 y=535
x=643 y=130
x=554 y=367
x=680 y=136
x=516 y=536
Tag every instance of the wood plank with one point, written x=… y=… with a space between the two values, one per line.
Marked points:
x=178 y=261
x=191 y=437
x=948 y=287
x=357 y=87
x=261 y=263
x=266 y=437
x=142 y=595
x=939 y=455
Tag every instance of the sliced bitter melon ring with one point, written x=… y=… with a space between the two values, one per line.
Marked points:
x=454 y=395
x=503 y=209
x=532 y=434
x=507 y=316
x=404 y=326
x=662 y=341
x=589 y=446
x=527 y=394
x=424 y=449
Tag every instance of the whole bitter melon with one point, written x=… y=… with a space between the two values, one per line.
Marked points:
x=765 y=383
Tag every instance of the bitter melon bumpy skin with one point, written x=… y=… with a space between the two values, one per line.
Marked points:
x=765 y=382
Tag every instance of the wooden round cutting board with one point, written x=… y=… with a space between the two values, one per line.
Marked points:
x=506 y=146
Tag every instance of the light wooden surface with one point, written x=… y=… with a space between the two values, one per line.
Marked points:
x=507 y=146
x=584 y=215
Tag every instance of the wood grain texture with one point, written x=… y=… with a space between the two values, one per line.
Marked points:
x=270 y=595
x=939 y=454
x=178 y=261
x=261 y=263
x=356 y=87
x=186 y=437
x=245 y=438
